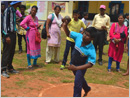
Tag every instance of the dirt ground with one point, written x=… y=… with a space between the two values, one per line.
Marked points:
x=38 y=88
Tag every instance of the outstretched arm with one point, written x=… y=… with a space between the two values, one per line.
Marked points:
x=85 y=66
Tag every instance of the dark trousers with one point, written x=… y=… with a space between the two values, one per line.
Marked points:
x=80 y=83
x=20 y=41
x=99 y=41
x=8 y=52
x=66 y=52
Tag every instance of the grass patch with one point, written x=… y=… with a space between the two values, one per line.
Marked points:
x=127 y=85
x=4 y=95
x=52 y=73
x=29 y=73
x=20 y=83
x=67 y=81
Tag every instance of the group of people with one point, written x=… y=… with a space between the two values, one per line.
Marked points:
x=79 y=37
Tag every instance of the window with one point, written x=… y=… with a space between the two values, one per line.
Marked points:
x=115 y=8
x=82 y=7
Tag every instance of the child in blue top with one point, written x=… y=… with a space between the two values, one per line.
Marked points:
x=83 y=57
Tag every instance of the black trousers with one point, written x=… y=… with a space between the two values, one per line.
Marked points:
x=8 y=52
x=69 y=45
x=20 y=41
x=99 y=41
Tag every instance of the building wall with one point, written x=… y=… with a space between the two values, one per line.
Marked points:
x=94 y=6
x=126 y=6
x=75 y=5
x=68 y=8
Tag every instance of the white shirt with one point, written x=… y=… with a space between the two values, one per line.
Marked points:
x=85 y=22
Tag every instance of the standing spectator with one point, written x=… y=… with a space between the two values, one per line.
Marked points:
x=118 y=33
x=21 y=31
x=2 y=13
x=127 y=49
x=9 y=38
x=126 y=22
x=53 y=35
x=84 y=19
x=101 y=22
x=30 y=23
x=74 y=25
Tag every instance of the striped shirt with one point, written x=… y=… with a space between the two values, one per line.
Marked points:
x=2 y=24
x=9 y=20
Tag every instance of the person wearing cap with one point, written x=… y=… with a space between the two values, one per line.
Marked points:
x=9 y=38
x=101 y=22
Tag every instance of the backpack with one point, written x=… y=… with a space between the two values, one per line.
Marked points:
x=44 y=33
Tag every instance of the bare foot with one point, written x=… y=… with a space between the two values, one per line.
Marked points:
x=30 y=67
x=118 y=70
x=125 y=74
x=109 y=70
x=46 y=63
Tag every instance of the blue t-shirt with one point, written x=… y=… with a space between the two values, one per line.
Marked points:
x=88 y=50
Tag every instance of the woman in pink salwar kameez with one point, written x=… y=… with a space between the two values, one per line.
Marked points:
x=30 y=23
x=118 y=33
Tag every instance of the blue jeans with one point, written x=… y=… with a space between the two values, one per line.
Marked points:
x=110 y=63
x=80 y=83
x=66 y=52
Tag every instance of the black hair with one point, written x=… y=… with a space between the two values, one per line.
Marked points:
x=22 y=6
x=2 y=3
x=75 y=12
x=58 y=7
x=79 y=12
x=127 y=14
x=85 y=14
x=35 y=7
x=121 y=15
x=92 y=31
x=9 y=2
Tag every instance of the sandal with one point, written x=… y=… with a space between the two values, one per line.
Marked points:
x=46 y=63
x=109 y=70
x=30 y=67
x=118 y=70
x=125 y=74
